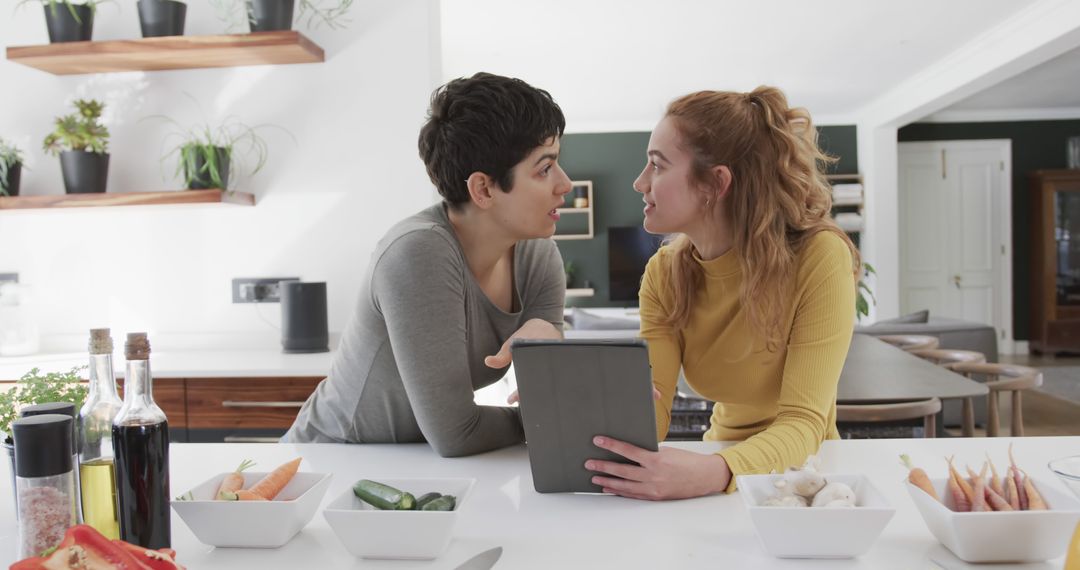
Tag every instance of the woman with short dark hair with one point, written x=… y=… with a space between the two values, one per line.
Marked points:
x=448 y=287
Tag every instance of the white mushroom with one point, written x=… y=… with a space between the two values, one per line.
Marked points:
x=834 y=495
x=784 y=497
x=805 y=480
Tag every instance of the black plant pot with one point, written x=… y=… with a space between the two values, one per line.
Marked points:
x=270 y=15
x=11 y=185
x=84 y=172
x=159 y=18
x=201 y=179
x=64 y=27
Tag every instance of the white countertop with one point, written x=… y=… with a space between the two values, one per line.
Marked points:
x=186 y=363
x=581 y=531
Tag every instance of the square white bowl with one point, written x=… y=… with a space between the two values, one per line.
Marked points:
x=821 y=532
x=368 y=532
x=252 y=524
x=1020 y=536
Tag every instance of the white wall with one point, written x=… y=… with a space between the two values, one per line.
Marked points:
x=322 y=202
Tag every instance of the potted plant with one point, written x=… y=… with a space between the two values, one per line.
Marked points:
x=11 y=162
x=271 y=15
x=160 y=18
x=37 y=388
x=862 y=306
x=67 y=20
x=215 y=157
x=82 y=143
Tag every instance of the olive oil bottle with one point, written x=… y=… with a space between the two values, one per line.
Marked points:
x=96 y=470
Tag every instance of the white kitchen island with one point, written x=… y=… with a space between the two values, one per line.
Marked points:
x=581 y=531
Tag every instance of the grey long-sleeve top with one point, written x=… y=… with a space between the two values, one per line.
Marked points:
x=413 y=353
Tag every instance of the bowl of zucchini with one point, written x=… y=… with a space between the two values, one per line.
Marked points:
x=410 y=519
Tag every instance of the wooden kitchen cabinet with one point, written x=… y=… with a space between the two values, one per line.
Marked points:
x=240 y=405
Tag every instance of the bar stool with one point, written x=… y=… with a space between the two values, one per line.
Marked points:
x=925 y=409
x=1001 y=378
x=947 y=358
x=910 y=342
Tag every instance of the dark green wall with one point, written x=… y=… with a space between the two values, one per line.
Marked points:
x=1036 y=145
x=612 y=161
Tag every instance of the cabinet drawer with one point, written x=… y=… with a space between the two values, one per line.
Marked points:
x=225 y=403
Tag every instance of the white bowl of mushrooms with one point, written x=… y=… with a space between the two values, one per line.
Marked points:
x=806 y=514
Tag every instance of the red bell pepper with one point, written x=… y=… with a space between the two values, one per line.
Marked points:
x=85 y=548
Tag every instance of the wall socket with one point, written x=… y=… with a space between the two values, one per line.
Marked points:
x=258 y=289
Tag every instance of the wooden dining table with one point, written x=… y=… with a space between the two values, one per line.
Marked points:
x=878 y=372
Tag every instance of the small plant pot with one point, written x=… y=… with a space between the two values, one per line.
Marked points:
x=270 y=15
x=160 y=18
x=11 y=184
x=65 y=27
x=201 y=177
x=84 y=172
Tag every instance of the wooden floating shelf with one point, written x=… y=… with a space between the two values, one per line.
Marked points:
x=109 y=199
x=573 y=210
x=580 y=292
x=167 y=53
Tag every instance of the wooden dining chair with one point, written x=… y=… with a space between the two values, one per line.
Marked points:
x=947 y=358
x=910 y=342
x=869 y=413
x=1001 y=378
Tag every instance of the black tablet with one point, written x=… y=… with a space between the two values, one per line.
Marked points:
x=574 y=390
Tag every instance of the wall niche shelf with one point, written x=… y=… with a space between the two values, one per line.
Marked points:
x=109 y=199
x=169 y=53
x=577 y=212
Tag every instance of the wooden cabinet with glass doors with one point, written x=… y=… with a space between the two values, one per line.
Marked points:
x=1055 y=261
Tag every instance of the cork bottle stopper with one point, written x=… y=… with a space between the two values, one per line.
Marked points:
x=100 y=341
x=137 y=347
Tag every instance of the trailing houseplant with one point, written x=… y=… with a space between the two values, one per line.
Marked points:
x=215 y=157
x=269 y=15
x=67 y=20
x=82 y=143
x=862 y=305
x=11 y=162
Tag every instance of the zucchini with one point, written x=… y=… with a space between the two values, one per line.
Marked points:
x=425 y=499
x=382 y=496
x=443 y=503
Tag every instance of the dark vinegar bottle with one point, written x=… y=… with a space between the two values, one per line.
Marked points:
x=141 y=450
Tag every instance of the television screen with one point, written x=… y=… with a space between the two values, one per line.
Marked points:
x=629 y=249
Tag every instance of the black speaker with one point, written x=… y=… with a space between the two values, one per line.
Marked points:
x=303 y=317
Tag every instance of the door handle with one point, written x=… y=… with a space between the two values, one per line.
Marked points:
x=956 y=279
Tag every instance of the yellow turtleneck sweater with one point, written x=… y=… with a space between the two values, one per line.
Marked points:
x=779 y=405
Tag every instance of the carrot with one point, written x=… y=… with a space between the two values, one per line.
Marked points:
x=234 y=481
x=242 y=495
x=275 y=481
x=1022 y=493
x=1011 y=493
x=995 y=481
x=1035 y=500
x=972 y=475
x=918 y=477
x=969 y=493
x=996 y=501
x=979 y=504
x=960 y=502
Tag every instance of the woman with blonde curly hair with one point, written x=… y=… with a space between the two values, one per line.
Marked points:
x=754 y=299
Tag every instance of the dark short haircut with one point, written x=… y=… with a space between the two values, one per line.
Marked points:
x=485 y=123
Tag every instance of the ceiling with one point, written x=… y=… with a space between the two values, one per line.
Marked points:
x=1049 y=90
x=614 y=64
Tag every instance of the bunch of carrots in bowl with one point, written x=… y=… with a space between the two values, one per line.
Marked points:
x=245 y=508
x=984 y=517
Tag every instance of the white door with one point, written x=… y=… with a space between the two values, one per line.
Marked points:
x=955 y=235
